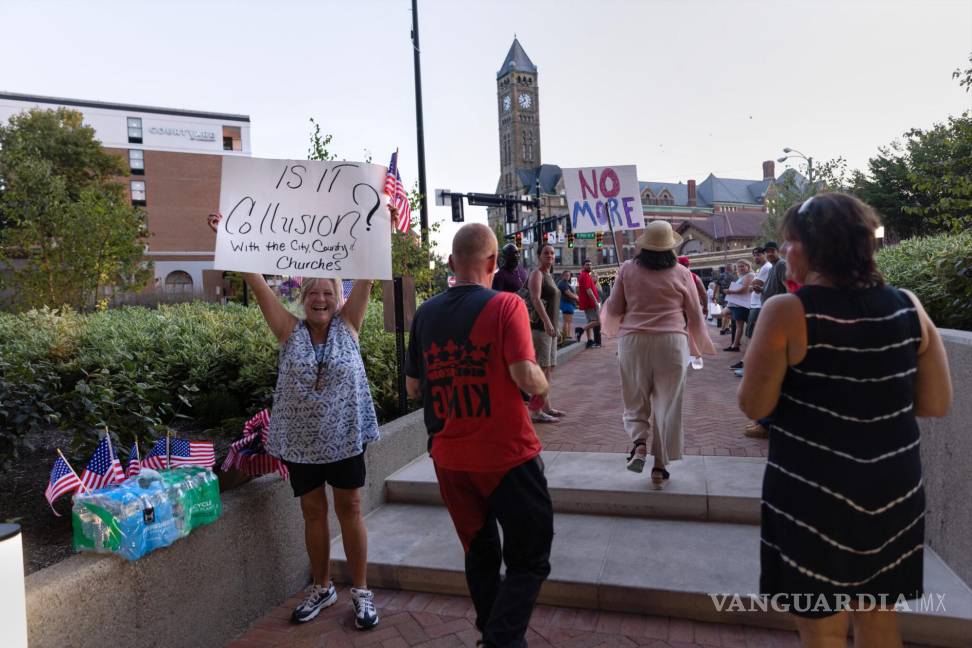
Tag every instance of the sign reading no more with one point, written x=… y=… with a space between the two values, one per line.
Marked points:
x=596 y=193
x=301 y=217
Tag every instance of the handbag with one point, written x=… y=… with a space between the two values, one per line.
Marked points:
x=715 y=309
x=535 y=321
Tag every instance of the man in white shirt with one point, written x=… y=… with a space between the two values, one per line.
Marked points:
x=762 y=256
x=763 y=268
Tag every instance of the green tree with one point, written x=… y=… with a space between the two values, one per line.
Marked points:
x=68 y=229
x=964 y=76
x=412 y=258
x=923 y=185
x=796 y=185
x=319 y=143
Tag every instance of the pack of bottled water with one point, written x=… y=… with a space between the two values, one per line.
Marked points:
x=145 y=512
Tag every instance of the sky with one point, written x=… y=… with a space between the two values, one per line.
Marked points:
x=680 y=88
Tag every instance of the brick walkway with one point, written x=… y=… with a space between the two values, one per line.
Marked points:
x=431 y=621
x=588 y=388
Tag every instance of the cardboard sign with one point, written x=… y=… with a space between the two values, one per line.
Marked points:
x=306 y=218
x=595 y=193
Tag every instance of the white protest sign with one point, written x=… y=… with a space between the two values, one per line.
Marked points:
x=593 y=193
x=303 y=217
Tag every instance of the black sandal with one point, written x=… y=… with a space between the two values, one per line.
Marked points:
x=659 y=477
x=637 y=463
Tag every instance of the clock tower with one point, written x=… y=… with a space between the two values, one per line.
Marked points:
x=519 y=117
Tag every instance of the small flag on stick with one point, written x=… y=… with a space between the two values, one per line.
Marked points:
x=103 y=468
x=63 y=481
x=180 y=452
x=134 y=461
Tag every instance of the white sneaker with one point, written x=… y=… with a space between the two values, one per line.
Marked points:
x=365 y=614
x=320 y=597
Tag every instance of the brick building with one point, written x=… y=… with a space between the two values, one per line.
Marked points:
x=174 y=158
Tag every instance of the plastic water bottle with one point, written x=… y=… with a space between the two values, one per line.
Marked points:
x=696 y=362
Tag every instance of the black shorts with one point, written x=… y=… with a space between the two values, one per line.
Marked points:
x=347 y=473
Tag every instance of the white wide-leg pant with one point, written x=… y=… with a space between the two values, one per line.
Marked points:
x=653 y=368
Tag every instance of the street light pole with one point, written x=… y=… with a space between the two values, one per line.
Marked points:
x=791 y=153
x=419 y=126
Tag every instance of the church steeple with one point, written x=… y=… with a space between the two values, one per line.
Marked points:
x=516 y=61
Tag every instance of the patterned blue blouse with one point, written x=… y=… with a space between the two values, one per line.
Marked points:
x=314 y=426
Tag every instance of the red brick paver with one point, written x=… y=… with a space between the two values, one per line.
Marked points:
x=588 y=388
x=432 y=621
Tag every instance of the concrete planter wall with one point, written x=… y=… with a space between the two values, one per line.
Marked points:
x=946 y=459
x=207 y=588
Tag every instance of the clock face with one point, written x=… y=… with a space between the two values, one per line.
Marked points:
x=525 y=100
x=507 y=103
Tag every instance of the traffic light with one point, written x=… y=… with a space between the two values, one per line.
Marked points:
x=510 y=213
x=599 y=239
x=519 y=240
x=457 y=216
x=570 y=239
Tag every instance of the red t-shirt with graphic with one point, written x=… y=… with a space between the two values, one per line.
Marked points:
x=585 y=281
x=461 y=346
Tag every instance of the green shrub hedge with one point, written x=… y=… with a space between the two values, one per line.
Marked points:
x=139 y=371
x=938 y=269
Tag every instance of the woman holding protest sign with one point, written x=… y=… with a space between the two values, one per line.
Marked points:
x=321 y=422
x=655 y=308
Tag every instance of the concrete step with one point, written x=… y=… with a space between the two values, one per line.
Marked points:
x=626 y=564
x=718 y=489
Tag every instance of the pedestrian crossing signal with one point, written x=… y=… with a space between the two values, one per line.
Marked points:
x=519 y=240
x=599 y=239
x=570 y=240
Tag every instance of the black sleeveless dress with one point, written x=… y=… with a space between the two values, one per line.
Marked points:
x=843 y=503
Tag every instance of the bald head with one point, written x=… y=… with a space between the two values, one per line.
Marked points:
x=473 y=258
x=473 y=244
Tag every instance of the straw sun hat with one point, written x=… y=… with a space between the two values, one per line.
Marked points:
x=658 y=237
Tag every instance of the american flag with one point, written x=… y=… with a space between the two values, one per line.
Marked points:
x=183 y=453
x=134 y=465
x=104 y=467
x=249 y=456
x=62 y=481
x=397 y=196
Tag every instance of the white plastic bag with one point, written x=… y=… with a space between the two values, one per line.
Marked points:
x=715 y=309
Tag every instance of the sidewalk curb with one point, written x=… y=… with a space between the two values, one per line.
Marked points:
x=568 y=352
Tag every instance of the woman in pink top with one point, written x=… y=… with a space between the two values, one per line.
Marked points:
x=654 y=306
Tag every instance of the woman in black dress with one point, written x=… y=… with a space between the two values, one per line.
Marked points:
x=844 y=365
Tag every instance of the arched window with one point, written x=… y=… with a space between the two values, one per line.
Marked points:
x=178 y=283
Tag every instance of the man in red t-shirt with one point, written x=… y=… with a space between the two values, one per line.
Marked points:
x=470 y=353
x=589 y=303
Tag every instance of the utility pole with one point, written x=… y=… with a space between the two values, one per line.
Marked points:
x=419 y=126
x=539 y=229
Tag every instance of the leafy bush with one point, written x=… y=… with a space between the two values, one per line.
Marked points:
x=139 y=371
x=938 y=269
